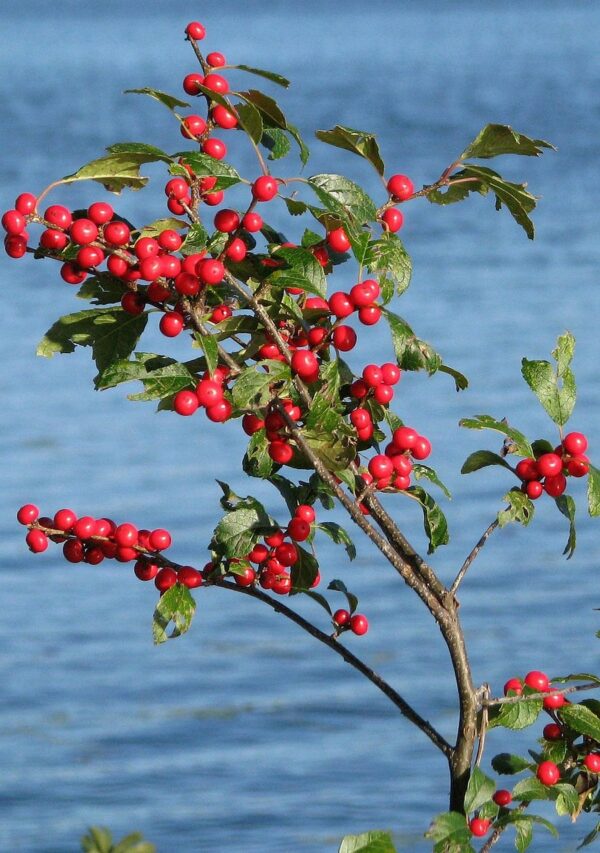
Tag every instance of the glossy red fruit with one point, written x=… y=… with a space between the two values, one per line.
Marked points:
x=36 y=540
x=27 y=514
x=215 y=148
x=83 y=231
x=189 y=576
x=191 y=83
x=251 y=423
x=219 y=412
x=258 y=554
x=169 y=240
x=93 y=555
x=305 y=512
x=553 y=701
x=381 y=466
x=191 y=127
x=72 y=274
x=226 y=221
x=64 y=519
x=252 y=222
x=383 y=394
x=502 y=797
x=372 y=375
x=479 y=826
x=280 y=452
x=210 y=271
x=89 y=257
x=220 y=313
x=15 y=246
x=265 y=188
x=246 y=579
x=361 y=294
x=421 y=448
x=186 y=284
x=298 y=529
x=360 y=418
x=549 y=464
x=575 y=443
x=393 y=218
x=216 y=60
x=145 y=570
x=548 y=773
x=216 y=83
x=100 y=212
x=195 y=30
x=405 y=437
x=578 y=466
x=170 y=266
x=185 y=403
x=359 y=624
x=53 y=239
x=171 y=324
x=552 y=731
x=85 y=527
x=126 y=535
x=359 y=389
x=537 y=681
x=26 y=203
x=13 y=222
x=117 y=233
x=534 y=489
x=340 y=304
x=209 y=392
x=275 y=539
x=344 y=338
x=402 y=464
x=391 y=373
x=73 y=551
x=305 y=365
x=159 y=539
x=165 y=579
x=400 y=187
x=370 y=315
x=287 y=554
x=282 y=584
x=338 y=240
x=58 y=215
x=341 y=617
x=146 y=247
x=555 y=486
x=117 y=266
x=514 y=684
x=527 y=469
x=592 y=762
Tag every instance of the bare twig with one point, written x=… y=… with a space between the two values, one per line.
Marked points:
x=465 y=566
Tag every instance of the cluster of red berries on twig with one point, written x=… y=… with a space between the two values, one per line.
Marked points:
x=208 y=394
x=549 y=471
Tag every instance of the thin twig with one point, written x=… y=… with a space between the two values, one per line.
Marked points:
x=513 y=700
x=403 y=706
x=485 y=692
x=465 y=566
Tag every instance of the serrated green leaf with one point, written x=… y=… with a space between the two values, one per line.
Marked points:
x=421 y=471
x=453 y=193
x=210 y=348
x=301 y=270
x=519 y=202
x=556 y=396
x=567 y=799
x=375 y=841
x=340 y=586
x=340 y=536
x=450 y=832
x=593 y=492
x=153 y=229
x=566 y=505
x=257 y=462
x=266 y=106
x=434 y=520
x=304 y=571
x=520 y=509
x=162 y=382
x=344 y=198
x=111 y=332
x=479 y=790
x=205 y=166
x=531 y=789
x=554 y=750
x=387 y=256
x=252 y=386
x=277 y=142
x=581 y=676
x=460 y=380
x=134 y=843
x=514 y=817
x=239 y=529
x=268 y=75
x=114 y=172
x=295 y=206
x=482 y=459
x=98 y=840
x=176 y=605
x=250 y=121
x=303 y=149
x=519 y=442
x=581 y=719
x=523 y=835
x=169 y=101
x=507 y=764
x=358 y=141
x=102 y=289
x=411 y=353
x=563 y=353
x=496 y=139
x=331 y=439
x=196 y=240
x=517 y=715
x=140 y=148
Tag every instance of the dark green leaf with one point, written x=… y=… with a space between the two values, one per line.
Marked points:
x=497 y=139
x=388 y=256
x=339 y=536
x=531 y=789
x=554 y=750
x=519 y=202
x=160 y=382
x=460 y=380
x=517 y=715
x=434 y=520
x=591 y=836
x=340 y=586
x=567 y=799
x=303 y=147
x=421 y=471
x=368 y=842
x=411 y=353
x=295 y=206
x=358 y=141
x=195 y=241
x=277 y=142
x=566 y=505
x=111 y=332
x=301 y=270
x=203 y=166
x=594 y=491
x=451 y=833
x=520 y=509
x=581 y=676
x=520 y=443
x=102 y=289
x=239 y=529
x=252 y=386
x=304 y=571
x=257 y=462
x=556 y=394
x=159 y=225
x=455 y=192
x=344 y=198
x=268 y=75
x=266 y=105
x=210 y=347
x=114 y=172
x=479 y=790
x=481 y=459
x=507 y=764
x=316 y=596
x=250 y=121
x=168 y=100
x=581 y=719
x=151 y=152
x=176 y=605
x=331 y=439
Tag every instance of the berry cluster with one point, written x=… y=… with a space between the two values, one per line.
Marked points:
x=549 y=471
x=393 y=468
x=209 y=394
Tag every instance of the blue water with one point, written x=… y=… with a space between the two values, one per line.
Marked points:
x=245 y=735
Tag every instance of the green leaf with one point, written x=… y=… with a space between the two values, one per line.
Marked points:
x=102 y=289
x=170 y=101
x=257 y=462
x=98 y=840
x=159 y=225
x=593 y=491
x=111 y=332
x=482 y=459
x=507 y=764
x=566 y=505
x=516 y=715
x=161 y=376
x=591 y=836
x=301 y=270
x=340 y=586
x=266 y=106
x=151 y=152
x=195 y=241
x=304 y=571
x=556 y=393
x=176 y=605
x=210 y=347
x=581 y=676
x=531 y=789
x=239 y=529
x=340 y=536
x=567 y=799
x=460 y=380
x=253 y=385
x=479 y=790
x=582 y=720
x=514 y=818
x=316 y=596
x=114 y=172
x=519 y=202
x=344 y=198
x=523 y=835
x=520 y=509
x=411 y=353
x=358 y=141
x=388 y=256
x=451 y=833
x=268 y=75
x=434 y=520
x=518 y=441
x=250 y=121
x=496 y=139
x=203 y=166
x=421 y=471
x=302 y=146
x=375 y=841
x=330 y=438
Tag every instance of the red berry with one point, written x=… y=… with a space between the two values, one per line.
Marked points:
x=575 y=443
x=552 y=731
x=479 y=826
x=252 y=222
x=421 y=448
x=359 y=389
x=282 y=584
x=534 y=489
x=171 y=324
x=549 y=464
x=83 y=231
x=27 y=514
x=361 y=294
x=191 y=83
x=26 y=203
x=372 y=375
x=246 y=579
x=252 y=423
x=370 y=315
x=73 y=551
x=383 y=394
x=237 y=250
x=85 y=527
x=341 y=617
x=405 y=438
x=527 y=469
x=359 y=624
x=185 y=402
x=89 y=257
x=145 y=570
x=381 y=466
x=58 y=215
x=189 y=576
x=214 y=148
x=15 y=246
x=100 y=212
x=265 y=188
x=195 y=30
x=126 y=535
x=391 y=373
x=340 y=304
x=305 y=365
x=227 y=221
x=554 y=701
x=592 y=762
x=64 y=519
x=514 y=684
x=165 y=579
x=338 y=240
x=219 y=412
x=298 y=529
x=287 y=554
x=210 y=271
x=220 y=313
x=37 y=541
x=360 y=418
x=216 y=60
x=306 y=513
x=72 y=274
x=343 y=338
x=393 y=218
x=400 y=187
x=159 y=540
x=216 y=83
x=280 y=452
x=548 y=773
x=555 y=486
x=94 y=555
x=186 y=284
x=209 y=392
x=258 y=554
x=13 y=222
x=117 y=233
x=537 y=680
x=578 y=466
x=502 y=797
x=53 y=239
x=275 y=539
